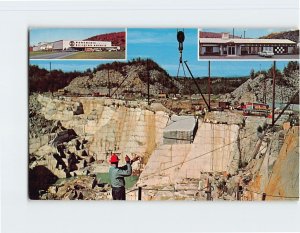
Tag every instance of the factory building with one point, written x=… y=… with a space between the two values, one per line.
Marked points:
x=227 y=46
x=76 y=45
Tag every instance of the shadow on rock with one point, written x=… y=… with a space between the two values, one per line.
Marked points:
x=40 y=178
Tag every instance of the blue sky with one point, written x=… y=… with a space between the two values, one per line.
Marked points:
x=161 y=45
x=249 y=32
x=37 y=35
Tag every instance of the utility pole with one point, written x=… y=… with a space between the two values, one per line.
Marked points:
x=108 y=82
x=265 y=86
x=50 y=67
x=148 y=85
x=209 y=84
x=244 y=34
x=273 y=101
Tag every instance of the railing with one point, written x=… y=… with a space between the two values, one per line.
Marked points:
x=208 y=191
x=141 y=189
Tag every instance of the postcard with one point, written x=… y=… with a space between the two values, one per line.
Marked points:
x=136 y=114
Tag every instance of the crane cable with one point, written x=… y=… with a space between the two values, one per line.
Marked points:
x=180 y=39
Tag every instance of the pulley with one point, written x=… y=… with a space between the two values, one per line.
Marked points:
x=180 y=39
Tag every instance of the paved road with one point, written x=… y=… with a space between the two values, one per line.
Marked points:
x=290 y=56
x=59 y=55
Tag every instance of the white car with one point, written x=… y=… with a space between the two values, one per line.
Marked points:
x=266 y=54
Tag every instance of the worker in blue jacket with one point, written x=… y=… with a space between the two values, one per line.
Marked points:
x=117 y=174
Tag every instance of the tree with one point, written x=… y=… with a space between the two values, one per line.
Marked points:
x=270 y=73
x=291 y=66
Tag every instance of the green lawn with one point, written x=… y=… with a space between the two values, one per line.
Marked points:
x=98 y=55
x=40 y=53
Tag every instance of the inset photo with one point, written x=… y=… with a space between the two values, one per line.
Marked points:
x=248 y=43
x=77 y=43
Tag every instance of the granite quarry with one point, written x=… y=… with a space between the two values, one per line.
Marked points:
x=71 y=138
x=184 y=154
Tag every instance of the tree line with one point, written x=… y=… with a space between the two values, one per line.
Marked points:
x=42 y=80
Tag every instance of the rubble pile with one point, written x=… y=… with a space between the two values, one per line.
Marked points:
x=252 y=89
x=136 y=82
x=38 y=124
x=78 y=188
x=65 y=156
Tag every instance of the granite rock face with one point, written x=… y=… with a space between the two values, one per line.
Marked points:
x=227 y=151
x=214 y=149
x=119 y=126
x=278 y=172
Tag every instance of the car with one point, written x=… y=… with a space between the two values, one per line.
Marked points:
x=266 y=54
x=71 y=50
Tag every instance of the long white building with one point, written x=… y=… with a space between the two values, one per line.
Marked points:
x=226 y=46
x=80 y=45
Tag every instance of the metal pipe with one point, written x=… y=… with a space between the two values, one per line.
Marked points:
x=185 y=62
x=273 y=100
x=140 y=193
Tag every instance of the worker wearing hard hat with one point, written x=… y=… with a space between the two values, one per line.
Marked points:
x=117 y=174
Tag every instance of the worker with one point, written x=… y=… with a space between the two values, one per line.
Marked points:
x=117 y=174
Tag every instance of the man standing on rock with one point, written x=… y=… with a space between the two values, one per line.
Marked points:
x=117 y=174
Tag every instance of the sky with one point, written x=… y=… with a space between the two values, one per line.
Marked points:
x=161 y=45
x=37 y=35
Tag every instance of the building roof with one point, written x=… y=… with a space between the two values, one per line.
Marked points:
x=245 y=41
x=214 y=35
